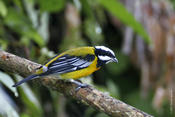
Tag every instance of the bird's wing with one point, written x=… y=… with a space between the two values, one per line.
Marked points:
x=67 y=63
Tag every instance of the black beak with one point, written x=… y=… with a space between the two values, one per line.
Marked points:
x=115 y=60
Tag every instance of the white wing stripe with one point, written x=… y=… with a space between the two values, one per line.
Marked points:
x=67 y=64
x=68 y=70
x=66 y=61
x=85 y=65
x=62 y=64
x=56 y=66
x=78 y=63
x=62 y=57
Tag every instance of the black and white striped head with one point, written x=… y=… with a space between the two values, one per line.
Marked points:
x=105 y=55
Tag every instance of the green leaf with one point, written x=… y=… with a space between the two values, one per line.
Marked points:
x=134 y=98
x=3 y=9
x=120 y=12
x=18 y=3
x=3 y=44
x=18 y=22
x=101 y=115
x=113 y=89
x=8 y=82
x=33 y=35
x=121 y=66
x=86 y=9
x=51 y=5
x=7 y=109
x=93 y=31
x=30 y=99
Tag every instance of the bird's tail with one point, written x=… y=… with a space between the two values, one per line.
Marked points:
x=26 y=79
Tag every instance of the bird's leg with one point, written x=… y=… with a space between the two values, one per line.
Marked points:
x=79 y=84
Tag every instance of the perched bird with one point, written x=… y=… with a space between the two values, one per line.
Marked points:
x=74 y=64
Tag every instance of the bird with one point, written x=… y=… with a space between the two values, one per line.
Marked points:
x=74 y=64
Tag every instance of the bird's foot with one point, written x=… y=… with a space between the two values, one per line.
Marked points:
x=80 y=85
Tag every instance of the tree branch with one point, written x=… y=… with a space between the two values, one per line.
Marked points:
x=89 y=95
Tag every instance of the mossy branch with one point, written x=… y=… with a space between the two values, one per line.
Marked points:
x=89 y=95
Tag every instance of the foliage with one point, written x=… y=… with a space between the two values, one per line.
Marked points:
x=37 y=30
x=119 y=11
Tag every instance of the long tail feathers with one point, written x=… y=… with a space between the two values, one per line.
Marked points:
x=26 y=79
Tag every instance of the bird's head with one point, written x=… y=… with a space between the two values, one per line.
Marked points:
x=105 y=55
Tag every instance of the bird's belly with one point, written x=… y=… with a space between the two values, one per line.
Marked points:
x=79 y=73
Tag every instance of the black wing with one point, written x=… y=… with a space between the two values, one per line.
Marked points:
x=69 y=63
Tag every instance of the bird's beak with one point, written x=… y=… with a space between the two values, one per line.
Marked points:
x=115 y=60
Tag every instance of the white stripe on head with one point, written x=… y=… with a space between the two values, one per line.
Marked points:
x=105 y=48
x=104 y=58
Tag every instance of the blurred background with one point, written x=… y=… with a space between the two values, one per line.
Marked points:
x=141 y=33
